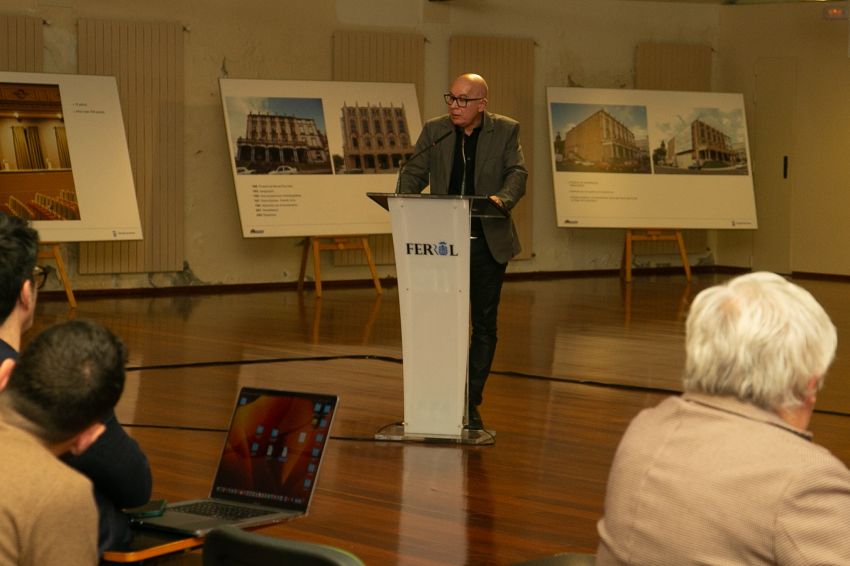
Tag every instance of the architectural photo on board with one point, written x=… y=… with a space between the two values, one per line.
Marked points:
x=600 y=139
x=278 y=136
x=703 y=141
x=375 y=139
x=36 y=181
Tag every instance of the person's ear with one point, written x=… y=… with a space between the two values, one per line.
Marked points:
x=812 y=387
x=6 y=367
x=27 y=295
x=86 y=438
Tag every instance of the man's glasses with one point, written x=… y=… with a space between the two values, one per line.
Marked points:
x=39 y=276
x=461 y=102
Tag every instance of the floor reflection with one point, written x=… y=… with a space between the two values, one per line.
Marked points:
x=434 y=489
x=675 y=303
x=335 y=314
x=479 y=506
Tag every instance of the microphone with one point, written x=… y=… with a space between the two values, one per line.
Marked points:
x=463 y=157
x=425 y=149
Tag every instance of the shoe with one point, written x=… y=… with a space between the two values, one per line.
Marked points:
x=474 y=419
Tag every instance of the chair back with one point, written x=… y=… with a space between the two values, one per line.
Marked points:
x=229 y=546
x=563 y=559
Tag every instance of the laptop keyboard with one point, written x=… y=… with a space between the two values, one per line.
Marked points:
x=219 y=510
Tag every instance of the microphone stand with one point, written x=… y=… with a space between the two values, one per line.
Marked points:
x=463 y=158
x=425 y=149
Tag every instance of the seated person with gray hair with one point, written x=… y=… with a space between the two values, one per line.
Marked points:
x=727 y=473
x=53 y=402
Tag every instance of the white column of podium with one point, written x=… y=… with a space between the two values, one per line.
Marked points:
x=431 y=243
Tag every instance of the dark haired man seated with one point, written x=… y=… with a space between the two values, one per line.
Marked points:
x=115 y=463
x=54 y=401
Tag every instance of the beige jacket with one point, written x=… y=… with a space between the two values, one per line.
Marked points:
x=47 y=511
x=711 y=480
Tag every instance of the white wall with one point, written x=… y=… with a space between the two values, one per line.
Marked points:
x=585 y=42
x=819 y=120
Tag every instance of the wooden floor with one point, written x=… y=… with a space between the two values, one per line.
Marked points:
x=577 y=359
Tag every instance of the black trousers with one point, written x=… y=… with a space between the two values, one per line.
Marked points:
x=485 y=288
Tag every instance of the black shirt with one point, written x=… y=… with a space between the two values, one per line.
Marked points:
x=462 y=181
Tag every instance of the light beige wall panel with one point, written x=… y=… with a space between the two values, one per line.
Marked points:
x=773 y=143
x=21 y=43
x=673 y=66
x=820 y=223
x=820 y=200
x=147 y=61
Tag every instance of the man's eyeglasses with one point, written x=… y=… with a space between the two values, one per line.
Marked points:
x=39 y=276
x=461 y=102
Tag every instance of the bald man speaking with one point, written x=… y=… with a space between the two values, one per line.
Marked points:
x=474 y=152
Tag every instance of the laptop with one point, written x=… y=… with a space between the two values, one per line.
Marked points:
x=268 y=467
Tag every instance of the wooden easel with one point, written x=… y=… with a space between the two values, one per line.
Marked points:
x=652 y=235
x=334 y=243
x=55 y=253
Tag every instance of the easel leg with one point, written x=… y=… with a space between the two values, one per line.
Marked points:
x=317 y=266
x=334 y=243
x=55 y=254
x=684 y=254
x=305 y=253
x=653 y=235
x=368 y=252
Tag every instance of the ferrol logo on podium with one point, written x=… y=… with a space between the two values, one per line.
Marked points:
x=440 y=248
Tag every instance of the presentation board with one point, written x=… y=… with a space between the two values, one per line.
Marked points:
x=64 y=163
x=650 y=159
x=305 y=153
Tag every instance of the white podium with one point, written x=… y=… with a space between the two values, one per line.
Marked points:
x=431 y=244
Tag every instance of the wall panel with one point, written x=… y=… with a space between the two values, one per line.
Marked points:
x=21 y=44
x=147 y=61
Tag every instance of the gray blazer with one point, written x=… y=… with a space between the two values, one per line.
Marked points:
x=499 y=170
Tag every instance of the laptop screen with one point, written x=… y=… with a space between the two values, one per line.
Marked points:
x=274 y=447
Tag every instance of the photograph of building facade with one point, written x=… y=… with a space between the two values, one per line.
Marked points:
x=376 y=139
x=710 y=144
x=282 y=143
x=701 y=148
x=601 y=142
x=36 y=180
